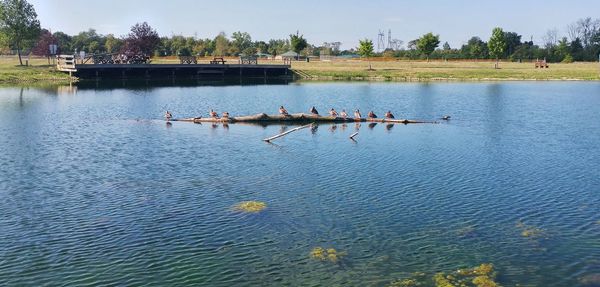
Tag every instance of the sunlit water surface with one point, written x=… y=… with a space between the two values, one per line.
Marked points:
x=96 y=189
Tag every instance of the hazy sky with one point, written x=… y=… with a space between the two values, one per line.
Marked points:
x=319 y=21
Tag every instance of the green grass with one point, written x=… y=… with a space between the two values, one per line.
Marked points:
x=429 y=71
x=37 y=71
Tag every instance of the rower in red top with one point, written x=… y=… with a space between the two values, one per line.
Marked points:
x=283 y=111
x=333 y=113
x=343 y=114
x=389 y=115
x=213 y=114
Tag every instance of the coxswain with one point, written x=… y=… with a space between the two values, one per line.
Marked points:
x=446 y=118
x=333 y=113
x=389 y=115
x=371 y=115
x=283 y=111
x=357 y=115
x=168 y=116
x=343 y=114
x=314 y=111
x=213 y=114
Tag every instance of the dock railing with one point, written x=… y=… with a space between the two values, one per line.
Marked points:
x=65 y=63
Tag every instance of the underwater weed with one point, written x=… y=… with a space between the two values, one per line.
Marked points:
x=323 y=254
x=250 y=206
x=529 y=231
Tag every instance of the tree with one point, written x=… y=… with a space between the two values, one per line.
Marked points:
x=113 y=44
x=19 y=24
x=513 y=41
x=497 y=44
x=427 y=44
x=64 y=42
x=221 y=45
x=475 y=48
x=365 y=49
x=446 y=46
x=241 y=42
x=297 y=42
x=278 y=46
x=142 y=39
x=42 y=47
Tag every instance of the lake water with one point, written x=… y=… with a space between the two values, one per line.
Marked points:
x=96 y=189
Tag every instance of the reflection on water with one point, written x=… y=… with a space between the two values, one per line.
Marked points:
x=95 y=188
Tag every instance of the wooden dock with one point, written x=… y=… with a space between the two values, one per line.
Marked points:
x=212 y=70
x=190 y=71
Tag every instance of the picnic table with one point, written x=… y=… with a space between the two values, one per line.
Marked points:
x=218 y=60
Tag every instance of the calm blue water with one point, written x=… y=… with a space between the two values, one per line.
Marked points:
x=96 y=190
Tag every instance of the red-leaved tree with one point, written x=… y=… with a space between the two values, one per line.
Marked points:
x=142 y=40
x=42 y=47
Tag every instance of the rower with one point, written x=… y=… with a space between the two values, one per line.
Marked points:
x=333 y=113
x=371 y=115
x=389 y=115
x=313 y=111
x=213 y=114
x=343 y=114
x=446 y=118
x=168 y=116
x=283 y=111
x=226 y=115
x=357 y=115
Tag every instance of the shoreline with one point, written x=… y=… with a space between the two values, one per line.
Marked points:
x=437 y=79
x=39 y=72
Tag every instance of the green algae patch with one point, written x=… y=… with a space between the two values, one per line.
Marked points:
x=250 y=206
x=329 y=254
x=478 y=276
x=529 y=231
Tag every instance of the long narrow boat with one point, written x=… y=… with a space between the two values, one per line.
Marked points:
x=295 y=118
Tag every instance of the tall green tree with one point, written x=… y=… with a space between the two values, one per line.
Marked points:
x=241 y=42
x=365 y=49
x=513 y=41
x=113 y=44
x=19 y=24
x=297 y=42
x=497 y=44
x=221 y=45
x=427 y=44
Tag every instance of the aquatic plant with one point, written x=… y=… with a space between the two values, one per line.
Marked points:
x=318 y=253
x=408 y=282
x=441 y=281
x=250 y=206
x=478 y=276
x=529 y=231
x=323 y=254
x=484 y=281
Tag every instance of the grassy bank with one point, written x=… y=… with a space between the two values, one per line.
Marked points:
x=439 y=70
x=37 y=71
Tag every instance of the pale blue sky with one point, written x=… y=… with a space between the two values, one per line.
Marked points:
x=319 y=21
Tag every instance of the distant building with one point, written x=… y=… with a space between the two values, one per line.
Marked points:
x=288 y=55
x=263 y=55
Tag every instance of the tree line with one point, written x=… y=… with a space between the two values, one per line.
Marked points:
x=20 y=31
